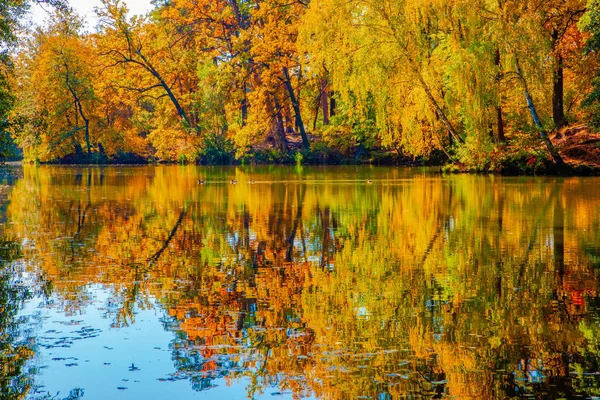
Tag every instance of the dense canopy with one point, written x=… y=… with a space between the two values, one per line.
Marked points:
x=477 y=81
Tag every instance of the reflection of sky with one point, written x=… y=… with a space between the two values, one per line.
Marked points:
x=99 y=359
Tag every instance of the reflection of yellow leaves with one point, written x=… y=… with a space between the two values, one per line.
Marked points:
x=383 y=277
x=495 y=342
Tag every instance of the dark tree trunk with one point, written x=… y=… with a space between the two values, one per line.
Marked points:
x=500 y=125
x=296 y=105
x=317 y=109
x=332 y=104
x=499 y=120
x=87 y=140
x=244 y=109
x=78 y=149
x=558 y=234
x=434 y=103
x=324 y=98
x=244 y=103
x=290 y=123
x=558 y=85
x=78 y=110
x=145 y=63
x=558 y=93
x=277 y=127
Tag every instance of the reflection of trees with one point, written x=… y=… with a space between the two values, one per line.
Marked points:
x=463 y=286
x=14 y=349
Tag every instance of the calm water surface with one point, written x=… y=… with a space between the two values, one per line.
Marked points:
x=140 y=283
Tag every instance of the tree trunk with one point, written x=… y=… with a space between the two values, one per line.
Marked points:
x=78 y=149
x=415 y=68
x=536 y=119
x=290 y=123
x=558 y=108
x=150 y=68
x=79 y=110
x=277 y=127
x=500 y=138
x=244 y=108
x=434 y=103
x=317 y=109
x=558 y=85
x=296 y=106
x=180 y=111
x=324 y=97
x=332 y=104
x=499 y=120
x=87 y=140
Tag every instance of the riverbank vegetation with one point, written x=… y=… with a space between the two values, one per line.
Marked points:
x=483 y=85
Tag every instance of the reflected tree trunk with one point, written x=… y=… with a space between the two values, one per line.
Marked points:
x=156 y=256
x=289 y=255
x=558 y=233
x=325 y=215
x=498 y=256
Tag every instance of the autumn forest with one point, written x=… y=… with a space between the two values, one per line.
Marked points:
x=484 y=84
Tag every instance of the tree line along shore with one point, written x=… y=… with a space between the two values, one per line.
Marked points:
x=481 y=86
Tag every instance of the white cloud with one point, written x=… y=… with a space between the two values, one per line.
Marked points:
x=85 y=8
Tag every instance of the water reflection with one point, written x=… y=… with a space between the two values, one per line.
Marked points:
x=315 y=282
x=14 y=349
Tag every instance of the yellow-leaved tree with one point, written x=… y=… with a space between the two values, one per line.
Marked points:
x=57 y=106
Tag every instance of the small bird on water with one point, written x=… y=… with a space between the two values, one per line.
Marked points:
x=200 y=181
x=369 y=181
x=233 y=181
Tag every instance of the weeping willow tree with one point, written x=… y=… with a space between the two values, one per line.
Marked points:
x=381 y=58
x=443 y=74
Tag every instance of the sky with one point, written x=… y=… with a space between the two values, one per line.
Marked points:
x=85 y=8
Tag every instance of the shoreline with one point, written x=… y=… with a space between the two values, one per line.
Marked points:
x=447 y=169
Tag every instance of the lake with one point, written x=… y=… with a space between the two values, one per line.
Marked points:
x=297 y=282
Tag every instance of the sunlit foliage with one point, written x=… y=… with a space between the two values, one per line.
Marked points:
x=407 y=77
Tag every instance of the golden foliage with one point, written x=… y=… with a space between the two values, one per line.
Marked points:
x=323 y=283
